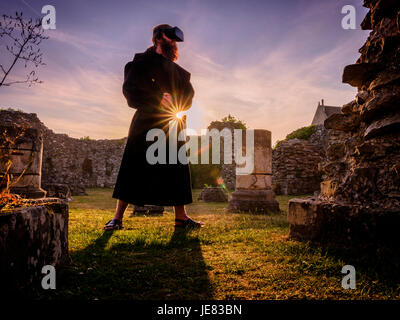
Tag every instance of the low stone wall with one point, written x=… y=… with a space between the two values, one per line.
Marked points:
x=79 y=163
x=342 y=225
x=295 y=167
x=30 y=238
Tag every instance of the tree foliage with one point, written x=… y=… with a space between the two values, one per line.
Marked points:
x=303 y=133
x=232 y=119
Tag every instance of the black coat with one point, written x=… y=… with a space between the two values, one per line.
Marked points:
x=146 y=78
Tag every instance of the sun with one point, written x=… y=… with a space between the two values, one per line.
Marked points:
x=179 y=115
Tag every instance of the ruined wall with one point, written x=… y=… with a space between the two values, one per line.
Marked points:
x=364 y=168
x=295 y=164
x=89 y=163
x=359 y=203
x=77 y=162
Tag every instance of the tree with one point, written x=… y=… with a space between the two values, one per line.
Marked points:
x=22 y=39
x=232 y=119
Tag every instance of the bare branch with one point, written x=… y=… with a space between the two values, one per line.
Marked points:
x=25 y=37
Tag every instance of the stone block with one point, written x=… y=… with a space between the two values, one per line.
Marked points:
x=254 y=181
x=329 y=188
x=341 y=224
x=213 y=195
x=255 y=201
x=30 y=238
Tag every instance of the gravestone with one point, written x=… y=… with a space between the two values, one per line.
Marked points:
x=213 y=194
x=23 y=147
x=253 y=192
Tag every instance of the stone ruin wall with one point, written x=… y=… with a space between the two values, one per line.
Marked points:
x=364 y=167
x=79 y=163
x=295 y=163
x=359 y=204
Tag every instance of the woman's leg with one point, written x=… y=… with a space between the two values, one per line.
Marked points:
x=119 y=211
x=180 y=213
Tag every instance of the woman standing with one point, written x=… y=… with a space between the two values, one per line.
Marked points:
x=158 y=88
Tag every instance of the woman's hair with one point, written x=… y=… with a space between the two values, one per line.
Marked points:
x=157 y=33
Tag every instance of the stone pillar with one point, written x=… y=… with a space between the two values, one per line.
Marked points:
x=24 y=148
x=253 y=192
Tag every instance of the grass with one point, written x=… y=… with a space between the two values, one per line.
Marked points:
x=235 y=256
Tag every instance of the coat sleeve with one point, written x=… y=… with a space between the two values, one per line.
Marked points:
x=187 y=93
x=139 y=90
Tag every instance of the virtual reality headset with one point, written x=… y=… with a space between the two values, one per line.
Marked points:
x=173 y=33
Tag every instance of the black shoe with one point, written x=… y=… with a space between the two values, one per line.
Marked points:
x=188 y=224
x=113 y=224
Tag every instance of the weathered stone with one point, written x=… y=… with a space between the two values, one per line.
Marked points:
x=342 y=122
x=335 y=151
x=342 y=225
x=30 y=238
x=384 y=78
x=349 y=108
x=378 y=105
x=255 y=201
x=57 y=190
x=358 y=74
x=295 y=164
x=366 y=23
x=329 y=188
x=253 y=181
x=383 y=126
x=254 y=193
x=79 y=163
x=361 y=97
x=22 y=146
x=210 y=194
x=384 y=8
x=77 y=190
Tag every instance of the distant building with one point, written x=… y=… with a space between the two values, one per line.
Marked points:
x=323 y=112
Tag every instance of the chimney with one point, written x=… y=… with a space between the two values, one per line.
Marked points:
x=322 y=102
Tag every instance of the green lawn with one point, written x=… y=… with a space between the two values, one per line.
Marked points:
x=235 y=256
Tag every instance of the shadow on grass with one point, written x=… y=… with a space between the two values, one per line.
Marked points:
x=382 y=264
x=138 y=269
x=378 y=266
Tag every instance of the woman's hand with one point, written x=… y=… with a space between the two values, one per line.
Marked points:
x=166 y=101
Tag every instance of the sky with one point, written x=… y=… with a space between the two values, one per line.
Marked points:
x=266 y=62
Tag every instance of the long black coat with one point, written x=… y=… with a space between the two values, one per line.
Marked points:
x=147 y=77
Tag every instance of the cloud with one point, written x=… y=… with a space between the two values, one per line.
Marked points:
x=276 y=89
x=279 y=93
x=82 y=103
